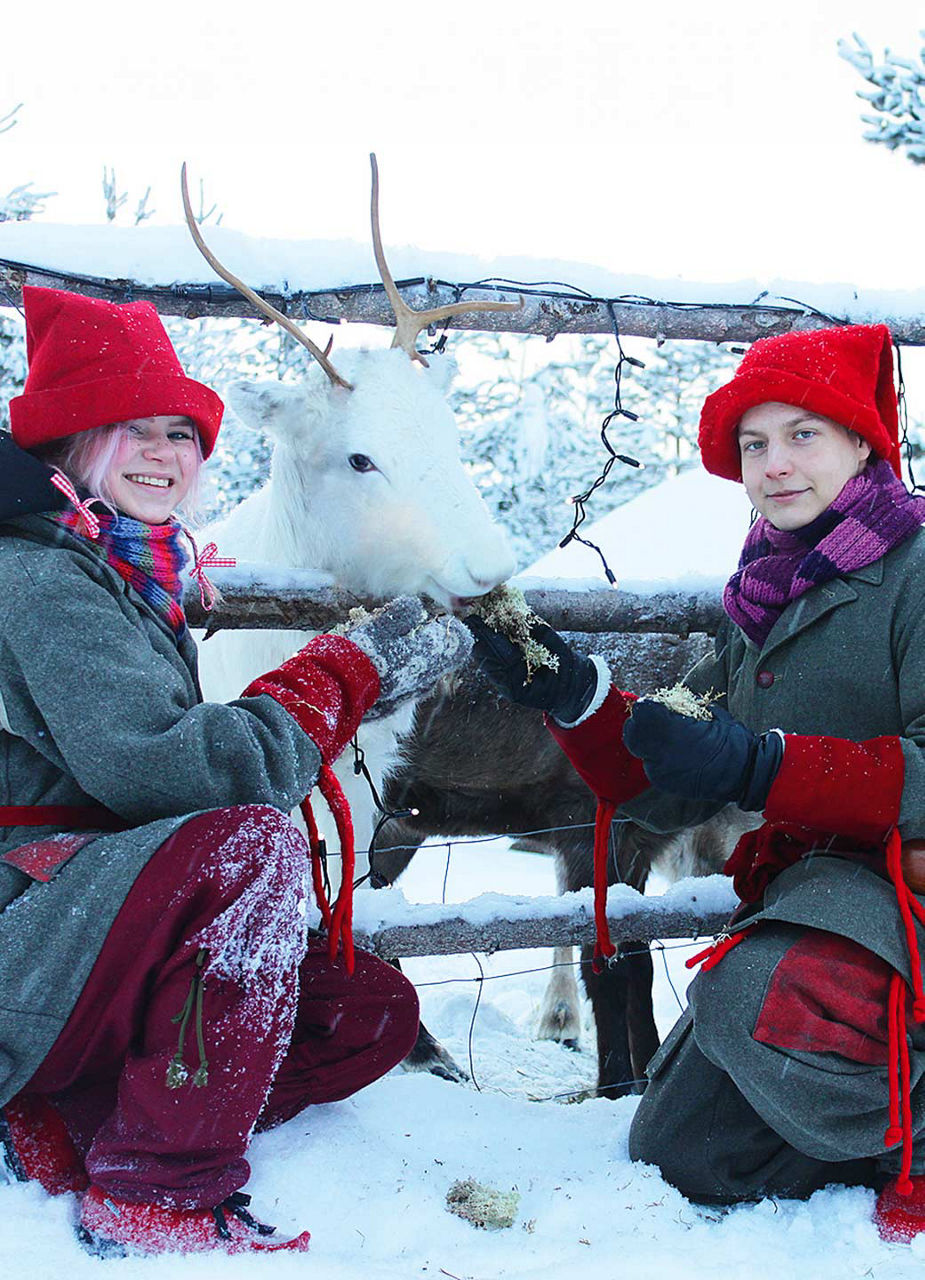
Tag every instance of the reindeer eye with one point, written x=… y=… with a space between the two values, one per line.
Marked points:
x=360 y=462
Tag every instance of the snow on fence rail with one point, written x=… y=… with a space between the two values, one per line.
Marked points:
x=384 y=922
x=546 y=310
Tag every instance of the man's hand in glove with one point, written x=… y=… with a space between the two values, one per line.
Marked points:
x=715 y=759
x=566 y=693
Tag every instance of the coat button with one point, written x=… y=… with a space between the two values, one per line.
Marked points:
x=764 y=679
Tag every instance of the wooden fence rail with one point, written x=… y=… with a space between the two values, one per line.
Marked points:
x=546 y=311
x=249 y=604
x=690 y=909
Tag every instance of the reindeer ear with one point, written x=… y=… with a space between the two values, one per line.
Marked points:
x=279 y=408
x=441 y=371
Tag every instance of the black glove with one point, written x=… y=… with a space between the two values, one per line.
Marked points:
x=565 y=693
x=716 y=759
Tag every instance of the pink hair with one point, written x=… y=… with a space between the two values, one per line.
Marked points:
x=87 y=457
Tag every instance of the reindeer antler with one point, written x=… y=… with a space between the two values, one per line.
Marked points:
x=254 y=298
x=408 y=322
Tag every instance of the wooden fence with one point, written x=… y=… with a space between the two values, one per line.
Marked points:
x=696 y=909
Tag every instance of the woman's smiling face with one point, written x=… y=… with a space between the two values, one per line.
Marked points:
x=154 y=467
x=794 y=463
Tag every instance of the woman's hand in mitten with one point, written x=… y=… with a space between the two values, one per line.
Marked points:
x=565 y=692
x=409 y=650
x=715 y=759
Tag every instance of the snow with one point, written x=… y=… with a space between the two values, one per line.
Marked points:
x=368 y=1176
x=687 y=531
x=156 y=255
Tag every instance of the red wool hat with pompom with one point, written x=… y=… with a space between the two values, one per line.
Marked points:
x=92 y=363
x=845 y=374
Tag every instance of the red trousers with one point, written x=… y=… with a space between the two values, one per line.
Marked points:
x=282 y=1027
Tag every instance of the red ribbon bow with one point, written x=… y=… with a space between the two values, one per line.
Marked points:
x=91 y=521
x=208 y=559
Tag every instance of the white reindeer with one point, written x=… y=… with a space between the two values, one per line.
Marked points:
x=366 y=484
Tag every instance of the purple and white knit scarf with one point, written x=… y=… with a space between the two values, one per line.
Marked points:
x=874 y=513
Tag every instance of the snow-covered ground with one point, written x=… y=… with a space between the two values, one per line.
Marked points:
x=369 y=1176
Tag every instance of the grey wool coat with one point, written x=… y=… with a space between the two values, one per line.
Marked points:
x=100 y=704
x=847 y=660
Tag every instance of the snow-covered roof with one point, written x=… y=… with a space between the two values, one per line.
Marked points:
x=689 y=528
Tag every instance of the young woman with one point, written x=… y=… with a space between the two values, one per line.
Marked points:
x=159 y=996
x=801 y=1057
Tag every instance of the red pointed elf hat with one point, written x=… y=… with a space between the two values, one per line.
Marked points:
x=92 y=363
x=845 y=374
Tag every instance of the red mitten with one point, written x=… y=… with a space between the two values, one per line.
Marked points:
x=596 y=751
x=831 y=784
x=327 y=687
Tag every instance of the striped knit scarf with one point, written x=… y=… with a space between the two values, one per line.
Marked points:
x=874 y=513
x=150 y=557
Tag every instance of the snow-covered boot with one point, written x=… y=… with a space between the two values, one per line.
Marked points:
x=900 y=1218
x=111 y=1228
x=35 y=1145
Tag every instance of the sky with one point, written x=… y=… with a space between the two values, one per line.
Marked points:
x=712 y=141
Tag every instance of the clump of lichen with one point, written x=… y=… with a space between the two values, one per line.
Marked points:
x=355 y=618
x=485 y=1207
x=679 y=698
x=505 y=610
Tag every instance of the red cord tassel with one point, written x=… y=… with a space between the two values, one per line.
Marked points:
x=339 y=921
x=603 y=947
x=711 y=955
x=314 y=844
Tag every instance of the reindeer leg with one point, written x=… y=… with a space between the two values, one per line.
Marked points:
x=428 y=1054
x=560 y=1017
x=640 y=1019
x=608 y=993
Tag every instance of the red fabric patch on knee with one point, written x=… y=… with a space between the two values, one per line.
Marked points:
x=828 y=995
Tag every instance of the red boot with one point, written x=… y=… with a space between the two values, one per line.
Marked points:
x=35 y=1144
x=899 y=1218
x=112 y=1228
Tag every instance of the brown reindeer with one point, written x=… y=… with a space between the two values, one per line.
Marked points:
x=476 y=764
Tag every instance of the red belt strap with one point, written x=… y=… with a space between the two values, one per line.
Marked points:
x=66 y=817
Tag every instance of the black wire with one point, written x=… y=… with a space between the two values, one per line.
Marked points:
x=504 y=835
x=547 y=968
x=661 y=947
x=376 y=878
x=11 y=301
x=580 y=500
x=478 y=999
x=905 y=443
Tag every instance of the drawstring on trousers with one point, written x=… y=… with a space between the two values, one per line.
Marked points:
x=177 y=1071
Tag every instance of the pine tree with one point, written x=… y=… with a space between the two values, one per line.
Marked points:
x=18 y=205
x=895 y=95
